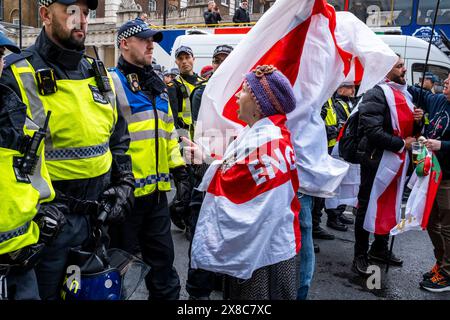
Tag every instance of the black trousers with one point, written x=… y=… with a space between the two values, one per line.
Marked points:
x=318 y=206
x=149 y=226
x=361 y=235
x=199 y=283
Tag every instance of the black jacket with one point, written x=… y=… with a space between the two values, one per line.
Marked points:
x=12 y=119
x=212 y=17
x=375 y=127
x=241 y=15
x=70 y=64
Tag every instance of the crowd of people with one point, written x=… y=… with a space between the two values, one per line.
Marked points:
x=77 y=140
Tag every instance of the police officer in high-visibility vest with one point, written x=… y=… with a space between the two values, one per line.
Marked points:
x=155 y=154
x=25 y=225
x=181 y=88
x=334 y=113
x=87 y=136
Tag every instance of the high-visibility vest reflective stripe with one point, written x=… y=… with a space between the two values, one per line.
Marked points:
x=81 y=124
x=152 y=136
x=331 y=120
x=345 y=107
x=186 y=114
x=20 y=200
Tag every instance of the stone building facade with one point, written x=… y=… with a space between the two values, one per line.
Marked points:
x=110 y=14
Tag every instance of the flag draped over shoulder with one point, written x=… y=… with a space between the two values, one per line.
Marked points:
x=384 y=208
x=316 y=51
x=249 y=217
x=421 y=199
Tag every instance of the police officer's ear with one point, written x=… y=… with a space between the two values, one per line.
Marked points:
x=124 y=44
x=46 y=15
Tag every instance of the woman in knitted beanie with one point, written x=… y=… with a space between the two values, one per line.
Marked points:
x=248 y=224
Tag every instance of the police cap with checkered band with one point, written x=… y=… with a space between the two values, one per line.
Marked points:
x=92 y=4
x=138 y=28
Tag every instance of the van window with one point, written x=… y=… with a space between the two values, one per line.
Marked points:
x=382 y=13
x=440 y=72
x=339 y=5
x=425 y=14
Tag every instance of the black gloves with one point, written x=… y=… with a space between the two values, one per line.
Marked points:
x=50 y=219
x=332 y=132
x=184 y=186
x=118 y=199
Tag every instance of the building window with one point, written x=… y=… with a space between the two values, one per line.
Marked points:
x=92 y=14
x=1 y=9
x=152 y=5
x=225 y=2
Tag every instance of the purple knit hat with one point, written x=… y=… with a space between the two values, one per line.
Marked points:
x=271 y=90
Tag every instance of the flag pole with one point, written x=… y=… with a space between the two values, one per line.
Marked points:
x=428 y=51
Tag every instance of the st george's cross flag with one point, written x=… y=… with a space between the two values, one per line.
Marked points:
x=316 y=49
x=249 y=216
x=421 y=199
x=384 y=208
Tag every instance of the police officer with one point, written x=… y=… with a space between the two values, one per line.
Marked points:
x=87 y=136
x=155 y=155
x=22 y=191
x=181 y=88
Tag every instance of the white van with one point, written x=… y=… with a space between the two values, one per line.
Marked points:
x=412 y=49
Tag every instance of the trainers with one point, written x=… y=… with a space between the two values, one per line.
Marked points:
x=430 y=274
x=360 y=266
x=320 y=233
x=383 y=257
x=336 y=225
x=437 y=283
x=346 y=220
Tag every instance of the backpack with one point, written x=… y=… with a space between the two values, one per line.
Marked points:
x=349 y=139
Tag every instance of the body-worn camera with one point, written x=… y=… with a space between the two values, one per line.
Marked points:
x=133 y=81
x=101 y=76
x=46 y=81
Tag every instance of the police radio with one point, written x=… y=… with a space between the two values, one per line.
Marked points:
x=46 y=81
x=133 y=81
x=26 y=165
x=101 y=77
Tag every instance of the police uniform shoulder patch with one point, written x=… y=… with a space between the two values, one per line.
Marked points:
x=97 y=95
x=170 y=84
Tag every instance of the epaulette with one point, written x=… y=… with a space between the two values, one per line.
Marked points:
x=15 y=57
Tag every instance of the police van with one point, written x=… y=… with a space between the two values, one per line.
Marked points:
x=412 y=49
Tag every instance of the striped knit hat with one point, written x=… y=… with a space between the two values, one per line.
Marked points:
x=271 y=90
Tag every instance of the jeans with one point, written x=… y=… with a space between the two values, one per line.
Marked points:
x=307 y=257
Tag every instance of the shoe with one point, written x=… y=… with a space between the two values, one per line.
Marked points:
x=320 y=233
x=430 y=274
x=316 y=248
x=336 y=225
x=438 y=283
x=360 y=266
x=346 y=220
x=383 y=257
x=177 y=218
